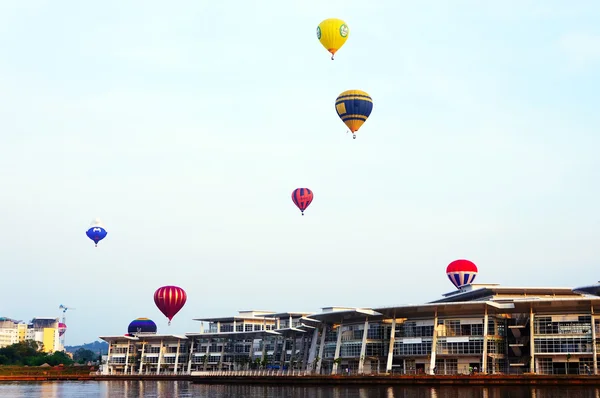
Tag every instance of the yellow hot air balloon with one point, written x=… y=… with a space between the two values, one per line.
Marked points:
x=332 y=33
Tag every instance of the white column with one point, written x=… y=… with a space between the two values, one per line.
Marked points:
x=234 y=325
x=177 y=356
x=338 y=345
x=159 y=358
x=191 y=356
x=433 y=342
x=390 y=358
x=321 y=348
x=218 y=327
x=531 y=341
x=142 y=357
x=312 y=351
x=485 y=341
x=283 y=352
x=107 y=368
x=127 y=358
x=363 y=348
x=594 y=350
x=206 y=355
x=293 y=354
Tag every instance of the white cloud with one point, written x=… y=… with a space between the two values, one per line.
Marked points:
x=581 y=48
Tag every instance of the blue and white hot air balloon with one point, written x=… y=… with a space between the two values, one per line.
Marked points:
x=96 y=232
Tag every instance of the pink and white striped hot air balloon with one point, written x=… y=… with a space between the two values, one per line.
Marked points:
x=461 y=272
x=62 y=328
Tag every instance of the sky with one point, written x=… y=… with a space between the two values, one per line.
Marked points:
x=186 y=127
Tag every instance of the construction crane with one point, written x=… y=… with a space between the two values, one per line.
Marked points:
x=64 y=309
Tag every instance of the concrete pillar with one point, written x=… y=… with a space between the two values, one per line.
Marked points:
x=142 y=358
x=191 y=356
x=107 y=369
x=206 y=355
x=321 y=348
x=338 y=345
x=177 y=356
x=363 y=348
x=264 y=348
x=293 y=355
x=160 y=354
x=434 y=342
x=234 y=326
x=485 y=341
x=218 y=327
x=312 y=352
x=127 y=357
x=283 y=352
x=594 y=349
x=390 y=357
x=220 y=363
x=532 y=341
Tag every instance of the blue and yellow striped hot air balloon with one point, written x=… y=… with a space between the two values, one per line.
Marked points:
x=354 y=108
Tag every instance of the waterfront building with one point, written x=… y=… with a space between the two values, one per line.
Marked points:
x=143 y=351
x=476 y=328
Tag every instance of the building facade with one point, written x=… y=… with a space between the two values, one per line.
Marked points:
x=477 y=328
x=42 y=330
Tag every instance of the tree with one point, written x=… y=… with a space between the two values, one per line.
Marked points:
x=83 y=355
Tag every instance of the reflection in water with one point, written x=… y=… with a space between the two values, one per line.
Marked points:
x=164 y=389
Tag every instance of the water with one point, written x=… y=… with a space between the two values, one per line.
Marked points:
x=171 y=389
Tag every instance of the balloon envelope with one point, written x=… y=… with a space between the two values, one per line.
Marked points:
x=332 y=33
x=302 y=197
x=461 y=272
x=96 y=232
x=62 y=328
x=141 y=325
x=354 y=108
x=169 y=300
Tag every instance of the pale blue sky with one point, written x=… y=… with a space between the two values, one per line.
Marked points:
x=185 y=127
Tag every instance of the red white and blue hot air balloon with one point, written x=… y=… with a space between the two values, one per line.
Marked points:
x=461 y=272
x=96 y=232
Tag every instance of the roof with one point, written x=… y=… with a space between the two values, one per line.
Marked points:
x=594 y=289
x=349 y=315
x=232 y=318
x=476 y=308
x=474 y=292
x=288 y=314
x=144 y=337
x=252 y=334
x=443 y=309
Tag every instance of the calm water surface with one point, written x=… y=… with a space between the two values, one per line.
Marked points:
x=164 y=389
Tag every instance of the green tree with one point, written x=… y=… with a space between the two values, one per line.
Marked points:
x=83 y=355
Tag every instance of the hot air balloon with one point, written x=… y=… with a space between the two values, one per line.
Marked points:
x=96 y=232
x=332 y=33
x=461 y=272
x=302 y=198
x=142 y=325
x=62 y=328
x=169 y=300
x=354 y=108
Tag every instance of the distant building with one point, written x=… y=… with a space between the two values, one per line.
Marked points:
x=478 y=327
x=42 y=330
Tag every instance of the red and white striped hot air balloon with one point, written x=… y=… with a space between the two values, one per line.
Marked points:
x=461 y=272
x=169 y=300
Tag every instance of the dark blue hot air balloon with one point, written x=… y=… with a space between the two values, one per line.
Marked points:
x=142 y=325
x=96 y=231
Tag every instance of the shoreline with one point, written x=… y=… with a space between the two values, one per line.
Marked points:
x=431 y=380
